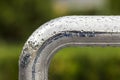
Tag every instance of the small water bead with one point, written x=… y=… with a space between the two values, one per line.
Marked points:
x=42 y=39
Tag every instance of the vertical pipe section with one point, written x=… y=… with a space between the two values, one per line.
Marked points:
x=61 y=32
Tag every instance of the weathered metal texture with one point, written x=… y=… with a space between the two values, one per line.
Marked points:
x=65 y=31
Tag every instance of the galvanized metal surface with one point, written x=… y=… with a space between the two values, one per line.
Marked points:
x=61 y=32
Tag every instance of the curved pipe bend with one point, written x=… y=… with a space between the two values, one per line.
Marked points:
x=65 y=31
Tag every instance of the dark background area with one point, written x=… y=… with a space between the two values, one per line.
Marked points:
x=19 y=18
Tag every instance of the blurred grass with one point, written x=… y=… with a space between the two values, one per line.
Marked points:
x=8 y=50
x=86 y=63
x=9 y=54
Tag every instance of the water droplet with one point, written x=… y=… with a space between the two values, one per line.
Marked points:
x=36 y=45
x=54 y=32
x=33 y=42
x=42 y=39
x=28 y=41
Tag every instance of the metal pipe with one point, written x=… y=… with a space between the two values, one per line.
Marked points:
x=61 y=32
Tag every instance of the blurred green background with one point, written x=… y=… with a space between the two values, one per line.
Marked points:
x=19 y=18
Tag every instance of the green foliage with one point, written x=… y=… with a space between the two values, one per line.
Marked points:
x=115 y=7
x=9 y=54
x=86 y=64
x=19 y=18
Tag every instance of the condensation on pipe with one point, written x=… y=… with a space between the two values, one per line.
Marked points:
x=41 y=46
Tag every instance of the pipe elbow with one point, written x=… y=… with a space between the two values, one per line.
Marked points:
x=65 y=31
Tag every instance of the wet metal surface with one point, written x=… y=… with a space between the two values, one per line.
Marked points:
x=70 y=30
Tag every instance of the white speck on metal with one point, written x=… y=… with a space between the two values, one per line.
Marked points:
x=65 y=31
